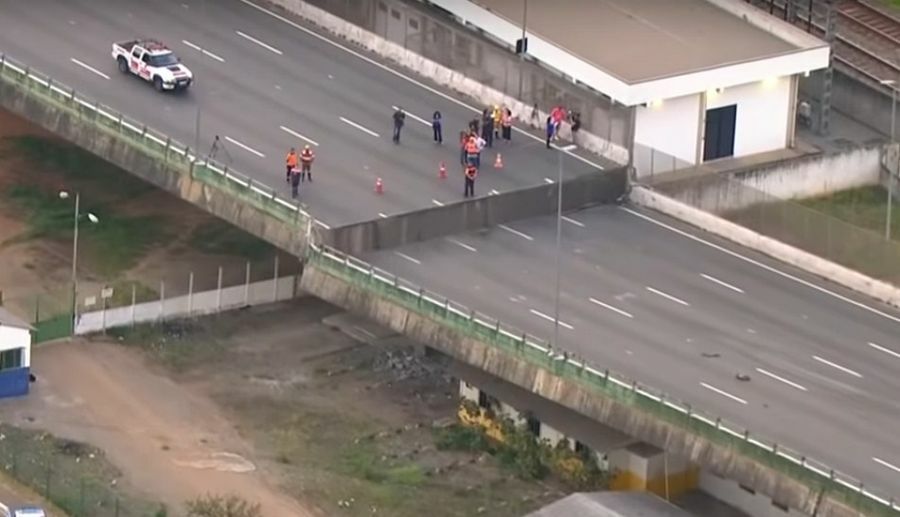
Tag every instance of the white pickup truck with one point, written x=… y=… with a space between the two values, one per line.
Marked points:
x=153 y=62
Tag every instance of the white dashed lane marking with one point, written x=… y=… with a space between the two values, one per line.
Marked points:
x=245 y=147
x=89 y=68
x=203 y=51
x=262 y=44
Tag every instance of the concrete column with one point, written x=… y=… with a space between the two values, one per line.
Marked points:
x=642 y=466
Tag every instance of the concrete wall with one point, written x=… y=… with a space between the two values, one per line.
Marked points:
x=71 y=121
x=612 y=144
x=671 y=126
x=763 y=112
x=567 y=391
x=474 y=214
x=796 y=178
x=749 y=501
x=816 y=265
x=861 y=102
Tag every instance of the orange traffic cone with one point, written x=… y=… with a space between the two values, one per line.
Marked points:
x=379 y=186
x=442 y=171
x=498 y=163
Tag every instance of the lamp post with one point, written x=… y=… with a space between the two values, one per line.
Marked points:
x=890 y=201
x=93 y=219
x=559 y=190
x=522 y=53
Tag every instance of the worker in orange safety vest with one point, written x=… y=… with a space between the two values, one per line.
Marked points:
x=290 y=163
x=306 y=160
x=472 y=151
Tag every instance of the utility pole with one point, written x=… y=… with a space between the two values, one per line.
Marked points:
x=828 y=74
x=522 y=47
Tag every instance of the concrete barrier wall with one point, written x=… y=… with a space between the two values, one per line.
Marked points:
x=795 y=178
x=487 y=344
x=881 y=291
x=443 y=76
x=854 y=98
x=474 y=214
x=152 y=157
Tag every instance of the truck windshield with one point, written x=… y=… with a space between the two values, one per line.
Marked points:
x=163 y=60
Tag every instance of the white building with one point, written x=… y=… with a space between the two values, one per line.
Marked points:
x=707 y=79
x=15 y=355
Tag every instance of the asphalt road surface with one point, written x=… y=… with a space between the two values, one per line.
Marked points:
x=264 y=84
x=685 y=316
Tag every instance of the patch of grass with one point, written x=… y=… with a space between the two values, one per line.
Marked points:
x=220 y=238
x=178 y=344
x=865 y=207
x=74 y=476
x=73 y=164
x=111 y=246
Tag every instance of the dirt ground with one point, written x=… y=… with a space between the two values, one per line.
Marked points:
x=42 y=266
x=276 y=406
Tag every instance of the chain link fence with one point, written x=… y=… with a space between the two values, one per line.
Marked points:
x=73 y=476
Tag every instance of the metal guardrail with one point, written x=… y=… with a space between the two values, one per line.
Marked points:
x=839 y=486
x=152 y=142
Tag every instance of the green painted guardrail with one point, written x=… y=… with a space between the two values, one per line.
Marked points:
x=151 y=142
x=493 y=332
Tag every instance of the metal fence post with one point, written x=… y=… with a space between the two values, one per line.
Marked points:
x=81 y=501
x=162 y=299
x=166 y=150
x=275 y=281
x=247 y=285
x=219 y=291
x=133 y=301
x=190 y=307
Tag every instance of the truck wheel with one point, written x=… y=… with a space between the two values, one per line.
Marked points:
x=123 y=65
x=158 y=84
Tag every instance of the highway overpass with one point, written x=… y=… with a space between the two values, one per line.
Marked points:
x=666 y=302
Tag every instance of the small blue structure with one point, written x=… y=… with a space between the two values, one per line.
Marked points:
x=15 y=355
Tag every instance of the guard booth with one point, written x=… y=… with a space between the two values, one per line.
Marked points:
x=15 y=355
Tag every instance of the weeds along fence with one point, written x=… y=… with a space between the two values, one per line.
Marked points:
x=149 y=141
x=510 y=340
x=73 y=476
x=123 y=303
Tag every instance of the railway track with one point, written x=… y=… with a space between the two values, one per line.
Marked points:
x=867 y=40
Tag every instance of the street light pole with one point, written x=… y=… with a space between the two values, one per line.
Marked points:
x=522 y=54
x=890 y=198
x=559 y=195
x=75 y=262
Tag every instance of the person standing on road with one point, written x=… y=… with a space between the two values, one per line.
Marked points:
x=506 y=124
x=471 y=174
x=295 y=183
x=290 y=163
x=306 y=160
x=549 y=129
x=497 y=115
x=487 y=128
x=436 y=120
x=471 y=148
x=463 y=140
x=399 y=119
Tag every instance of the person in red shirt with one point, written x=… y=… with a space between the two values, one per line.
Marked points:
x=306 y=160
x=471 y=174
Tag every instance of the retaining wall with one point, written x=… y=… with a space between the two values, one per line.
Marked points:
x=816 y=265
x=152 y=157
x=441 y=75
x=474 y=214
x=486 y=344
x=801 y=178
